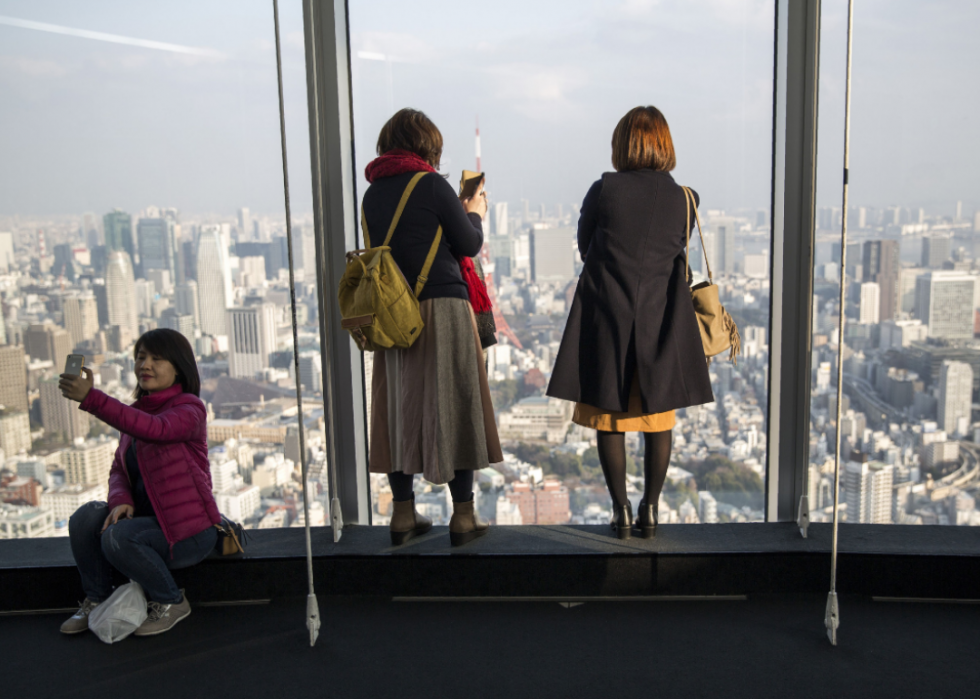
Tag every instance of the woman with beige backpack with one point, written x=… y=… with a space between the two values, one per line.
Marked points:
x=431 y=411
x=634 y=349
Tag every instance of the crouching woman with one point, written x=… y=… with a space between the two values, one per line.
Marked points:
x=161 y=513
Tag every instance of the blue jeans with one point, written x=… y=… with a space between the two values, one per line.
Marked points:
x=136 y=548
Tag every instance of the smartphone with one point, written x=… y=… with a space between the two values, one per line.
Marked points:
x=74 y=364
x=470 y=186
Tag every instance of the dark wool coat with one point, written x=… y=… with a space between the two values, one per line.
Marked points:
x=632 y=312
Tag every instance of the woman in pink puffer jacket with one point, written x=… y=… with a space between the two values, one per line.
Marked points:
x=161 y=512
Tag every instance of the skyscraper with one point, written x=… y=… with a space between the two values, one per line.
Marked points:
x=118 y=226
x=251 y=339
x=157 y=244
x=59 y=415
x=81 y=316
x=500 y=219
x=944 y=301
x=47 y=342
x=935 y=250
x=552 y=258
x=6 y=251
x=881 y=265
x=214 y=281
x=870 y=303
x=13 y=387
x=120 y=287
x=244 y=224
x=186 y=302
x=181 y=322
x=868 y=491
x=89 y=462
x=955 y=395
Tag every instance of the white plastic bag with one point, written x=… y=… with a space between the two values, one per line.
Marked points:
x=120 y=615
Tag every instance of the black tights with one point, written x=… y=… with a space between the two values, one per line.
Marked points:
x=461 y=486
x=656 y=459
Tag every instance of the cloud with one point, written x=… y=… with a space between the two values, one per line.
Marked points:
x=33 y=68
x=537 y=91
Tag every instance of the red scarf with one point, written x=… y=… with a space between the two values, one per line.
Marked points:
x=398 y=162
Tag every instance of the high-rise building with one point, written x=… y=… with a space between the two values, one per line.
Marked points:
x=521 y=255
x=936 y=249
x=120 y=297
x=251 y=271
x=907 y=278
x=118 y=227
x=47 y=342
x=881 y=266
x=65 y=499
x=870 y=306
x=59 y=415
x=311 y=371
x=186 y=302
x=955 y=396
x=81 y=316
x=868 y=490
x=181 y=322
x=244 y=224
x=251 y=339
x=719 y=239
x=157 y=244
x=13 y=387
x=552 y=256
x=944 y=301
x=214 y=281
x=15 y=432
x=144 y=291
x=89 y=462
x=500 y=219
x=6 y=251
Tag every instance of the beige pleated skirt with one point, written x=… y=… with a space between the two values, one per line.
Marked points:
x=632 y=420
x=431 y=411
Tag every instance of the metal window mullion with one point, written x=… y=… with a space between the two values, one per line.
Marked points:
x=794 y=206
x=331 y=157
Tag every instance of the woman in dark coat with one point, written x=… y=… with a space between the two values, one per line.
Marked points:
x=631 y=353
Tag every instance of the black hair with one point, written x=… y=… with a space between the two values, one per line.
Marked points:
x=171 y=345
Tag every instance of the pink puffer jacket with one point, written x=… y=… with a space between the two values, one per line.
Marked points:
x=172 y=452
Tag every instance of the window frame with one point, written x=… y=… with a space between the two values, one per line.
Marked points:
x=796 y=45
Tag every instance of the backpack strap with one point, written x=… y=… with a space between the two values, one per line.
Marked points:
x=430 y=258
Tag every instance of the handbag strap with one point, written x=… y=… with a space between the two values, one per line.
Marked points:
x=689 y=203
x=431 y=257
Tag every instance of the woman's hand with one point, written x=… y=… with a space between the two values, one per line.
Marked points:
x=76 y=387
x=477 y=204
x=118 y=512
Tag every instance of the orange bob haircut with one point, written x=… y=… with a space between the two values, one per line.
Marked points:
x=411 y=130
x=641 y=140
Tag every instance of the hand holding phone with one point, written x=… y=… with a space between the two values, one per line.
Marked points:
x=77 y=381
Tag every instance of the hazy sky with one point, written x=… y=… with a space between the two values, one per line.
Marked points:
x=88 y=124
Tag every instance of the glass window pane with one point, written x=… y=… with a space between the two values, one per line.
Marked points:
x=142 y=188
x=912 y=363
x=530 y=93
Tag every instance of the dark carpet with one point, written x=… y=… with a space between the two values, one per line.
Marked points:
x=763 y=647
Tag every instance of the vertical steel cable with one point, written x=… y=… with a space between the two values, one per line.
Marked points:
x=832 y=613
x=312 y=609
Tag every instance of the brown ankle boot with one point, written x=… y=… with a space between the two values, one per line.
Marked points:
x=465 y=524
x=406 y=522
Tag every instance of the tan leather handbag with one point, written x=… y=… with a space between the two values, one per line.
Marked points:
x=718 y=330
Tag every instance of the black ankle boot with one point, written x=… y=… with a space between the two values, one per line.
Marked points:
x=646 y=520
x=622 y=520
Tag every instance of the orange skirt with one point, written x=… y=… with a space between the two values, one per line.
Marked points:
x=633 y=420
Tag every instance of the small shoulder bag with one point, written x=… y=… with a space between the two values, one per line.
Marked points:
x=231 y=537
x=718 y=329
